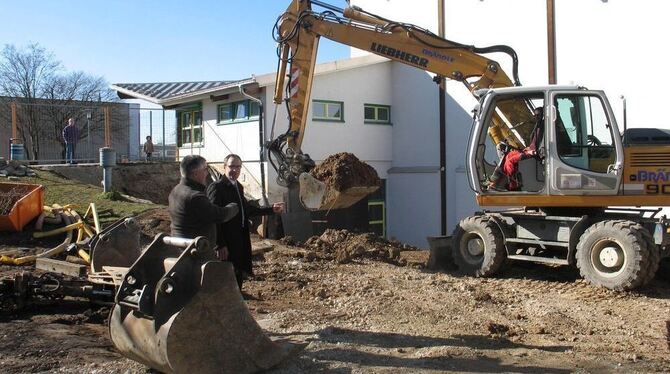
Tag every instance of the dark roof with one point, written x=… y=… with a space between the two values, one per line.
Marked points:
x=169 y=90
x=646 y=136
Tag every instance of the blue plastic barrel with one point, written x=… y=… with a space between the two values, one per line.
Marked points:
x=16 y=152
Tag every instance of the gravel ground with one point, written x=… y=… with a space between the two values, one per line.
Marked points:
x=373 y=307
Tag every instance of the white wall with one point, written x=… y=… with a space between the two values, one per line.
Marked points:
x=413 y=209
x=354 y=85
x=133 y=130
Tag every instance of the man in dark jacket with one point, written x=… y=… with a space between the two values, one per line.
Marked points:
x=233 y=241
x=191 y=212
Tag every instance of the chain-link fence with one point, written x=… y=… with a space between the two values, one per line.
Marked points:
x=161 y=126
x=35 y=128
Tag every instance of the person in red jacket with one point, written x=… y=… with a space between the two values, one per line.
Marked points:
x=506 y=172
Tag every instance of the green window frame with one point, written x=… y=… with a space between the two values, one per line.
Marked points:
x=327 y=111
x=190 y=127
x=377 y=217
x=238 y=111
x=377 y=114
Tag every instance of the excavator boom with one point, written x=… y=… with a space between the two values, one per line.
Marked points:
x=298 y=31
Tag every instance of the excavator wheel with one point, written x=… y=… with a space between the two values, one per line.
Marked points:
x=614 y=254
x=654 y=257
x=478 y=246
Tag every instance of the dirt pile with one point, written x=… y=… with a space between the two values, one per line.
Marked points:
x=344 y=170
x=153 y=222
x=343 y=247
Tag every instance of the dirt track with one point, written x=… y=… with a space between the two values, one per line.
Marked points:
x=371 y=314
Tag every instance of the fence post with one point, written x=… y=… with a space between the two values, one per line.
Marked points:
x=14 y=122
x=164 y=153
x=106 y=111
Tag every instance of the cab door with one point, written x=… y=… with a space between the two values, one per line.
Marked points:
x=585 y=149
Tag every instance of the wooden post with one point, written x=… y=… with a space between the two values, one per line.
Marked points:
x=15 y=124
x=551 y=40
x=108 y=138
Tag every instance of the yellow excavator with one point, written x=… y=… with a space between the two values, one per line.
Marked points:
x=566 y=190
x=177 y=309
x=298 y=31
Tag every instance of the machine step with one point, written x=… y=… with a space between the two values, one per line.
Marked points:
x=544 y=260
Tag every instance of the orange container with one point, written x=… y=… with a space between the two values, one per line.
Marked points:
x=25 y=209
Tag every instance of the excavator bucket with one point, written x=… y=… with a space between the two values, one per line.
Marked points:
x=316 y=195
x=117 y=245
x=179 y=310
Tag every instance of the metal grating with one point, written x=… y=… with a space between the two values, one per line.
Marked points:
x=650 y=159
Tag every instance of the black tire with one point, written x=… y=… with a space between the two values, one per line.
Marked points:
x=663 y=271
x=479 y=249
x=613 y=254
x=654 y=257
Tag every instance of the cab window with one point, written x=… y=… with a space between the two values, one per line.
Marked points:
x=583 y=133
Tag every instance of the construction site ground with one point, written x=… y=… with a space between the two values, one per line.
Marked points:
x=374 y=307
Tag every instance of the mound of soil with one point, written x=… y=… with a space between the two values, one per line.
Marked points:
x=153 y=222
x=344 y=247
x=344 y=170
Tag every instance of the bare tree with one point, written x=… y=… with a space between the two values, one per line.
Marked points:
x=33 y=73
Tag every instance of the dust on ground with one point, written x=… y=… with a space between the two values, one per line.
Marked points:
x=362 y=304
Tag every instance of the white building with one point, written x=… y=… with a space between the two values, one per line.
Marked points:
x=216 y=118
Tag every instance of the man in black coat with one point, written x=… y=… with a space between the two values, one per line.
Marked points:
x=191 y=212
x=232 y=239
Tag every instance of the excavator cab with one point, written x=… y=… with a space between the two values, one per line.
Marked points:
x=582 y=152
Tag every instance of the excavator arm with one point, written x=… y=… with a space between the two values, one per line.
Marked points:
x=298 y=31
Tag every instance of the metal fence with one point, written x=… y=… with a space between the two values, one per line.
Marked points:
x=36 y=126
x=161 y=125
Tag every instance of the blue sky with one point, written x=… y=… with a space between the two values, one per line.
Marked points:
x=155 y=41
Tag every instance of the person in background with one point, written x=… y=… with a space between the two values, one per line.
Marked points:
x=191 y=212
x=233 y=239
x=70 y=137
x=148 y=148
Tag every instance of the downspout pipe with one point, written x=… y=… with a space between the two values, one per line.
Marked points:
x=261 y=140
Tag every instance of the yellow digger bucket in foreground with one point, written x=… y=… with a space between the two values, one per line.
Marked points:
x=315 y=195
x=180 y=311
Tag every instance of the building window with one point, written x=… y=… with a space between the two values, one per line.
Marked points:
x=190 y=127
x=238 y=111
x=323 y=110
x=377 y=210
x=377 y=114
